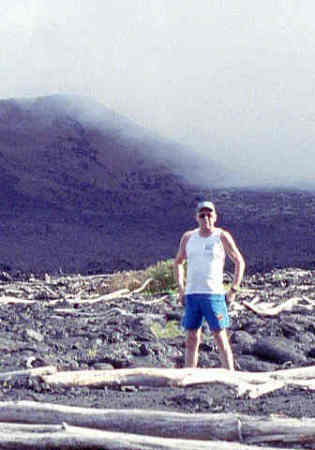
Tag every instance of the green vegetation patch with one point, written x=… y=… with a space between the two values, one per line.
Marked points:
x=170 y=331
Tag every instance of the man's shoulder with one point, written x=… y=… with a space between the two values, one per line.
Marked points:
x=226 y=237
x=220 y=230
x=188 y=234
x=192 y=231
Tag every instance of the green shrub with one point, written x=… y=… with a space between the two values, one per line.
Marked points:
x=170 y=331
x=161 y=273
x=163 y=276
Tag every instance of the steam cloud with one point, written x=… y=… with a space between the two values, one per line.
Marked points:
x=232 y=81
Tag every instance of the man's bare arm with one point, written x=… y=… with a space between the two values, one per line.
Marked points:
x=179 y=266
x=235 y=255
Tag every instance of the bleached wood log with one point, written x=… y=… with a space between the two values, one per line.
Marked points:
x=163 y=424
x=6 y=376
x=102 y=298
x=154 y=423
x=21 y=427
x=272 y=310
x=8 y=299
x=143 y=376
x=299 y=373
x=105 y=315
x=71 y=300
x=257 y=390
x=171 y=377
x=71 y=437
x=308 y=385
x=150 y=301
x=281 y=430
x=142 y=287
x=255 y=300
x=241 y=382
x=302 y=376
x=311 y=303
x=51 y=293
x=14 y=292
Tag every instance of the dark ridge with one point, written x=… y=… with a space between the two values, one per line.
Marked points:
x=87 y=190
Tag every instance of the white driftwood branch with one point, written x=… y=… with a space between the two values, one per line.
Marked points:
x=251 y=383
x=142 y=376
x=162 y=424
x=102 y=298
x=266 y=310
x=281 y=430
x=9 y=299
x=257 y=390
x=154 y=423
x=299 y=373
x=71 y=437
x=6 y=376
x=150 y=301
x=142 y=287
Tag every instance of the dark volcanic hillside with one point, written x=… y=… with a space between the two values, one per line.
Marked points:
x=69 y=153
x=83 y=189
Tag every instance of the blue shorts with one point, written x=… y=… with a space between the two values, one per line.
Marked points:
x=211 y=307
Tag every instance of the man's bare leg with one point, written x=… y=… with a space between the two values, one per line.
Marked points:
x=192 y=347
x=225 y=351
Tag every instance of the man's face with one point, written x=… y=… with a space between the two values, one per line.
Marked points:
x=206 y=218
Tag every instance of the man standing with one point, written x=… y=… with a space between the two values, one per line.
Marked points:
x=203 y=292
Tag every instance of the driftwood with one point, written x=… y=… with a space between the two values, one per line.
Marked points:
x=146 y=422
x=69 y=437
x=113 y=295
x=14 y=375
x=311 y=303
x=268 y=309
x=105 y=315
x=150 y=301
x=196 y=428
x=69 y=289
x=102 y=298
x=8 y=299
x=253 y=384
x=142 y=287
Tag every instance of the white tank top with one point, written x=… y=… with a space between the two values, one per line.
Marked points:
x=205 y=263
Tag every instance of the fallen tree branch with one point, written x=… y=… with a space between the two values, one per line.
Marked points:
x=8 y=299
x=270 y=311
x=299 y=373
x=146 y=422
x=142 y=287
x=7 y=376
x=279 y=430
x=150 y=301
x=311 y=302
x=155 y=377
x=264 y=388
x=102 y=298
x=250 y=383
x=158 y=424
x=69 y=437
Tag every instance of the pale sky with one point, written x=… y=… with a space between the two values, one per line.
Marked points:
x=234 y=79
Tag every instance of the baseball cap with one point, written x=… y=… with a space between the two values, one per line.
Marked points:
x=208 y=205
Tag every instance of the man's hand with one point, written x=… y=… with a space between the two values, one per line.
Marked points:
x=181 y=296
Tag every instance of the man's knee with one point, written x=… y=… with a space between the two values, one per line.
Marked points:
x=222 y=339
x=192 y=338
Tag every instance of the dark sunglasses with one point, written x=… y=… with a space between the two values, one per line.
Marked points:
x=203 y=215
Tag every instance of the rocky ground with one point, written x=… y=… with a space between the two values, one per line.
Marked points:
x=70 y=322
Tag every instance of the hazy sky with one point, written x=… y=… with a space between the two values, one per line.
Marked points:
x=234 y=78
